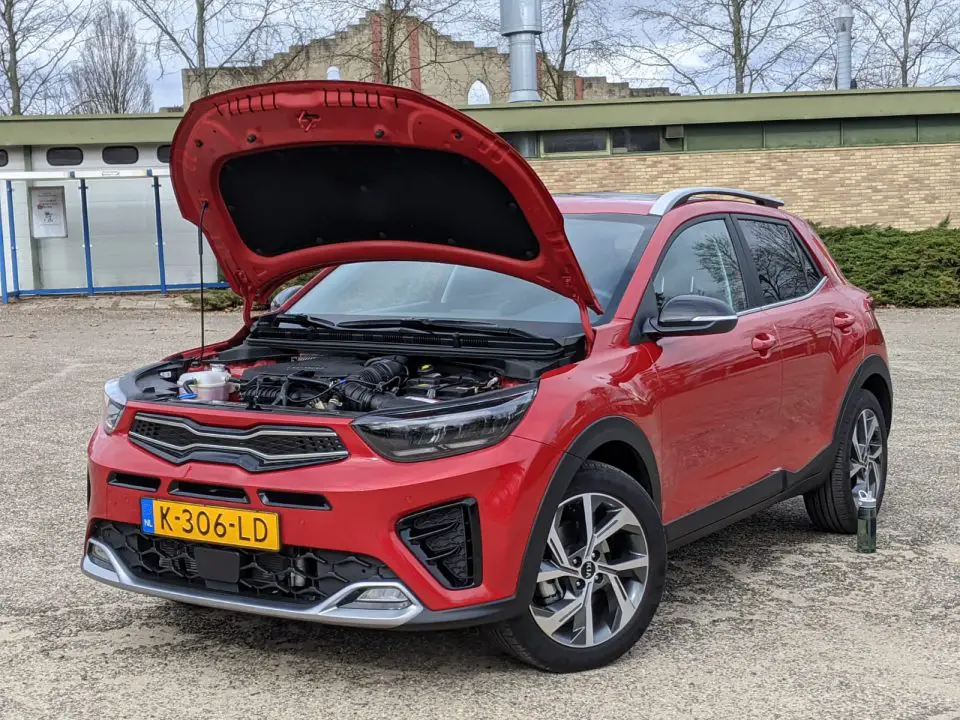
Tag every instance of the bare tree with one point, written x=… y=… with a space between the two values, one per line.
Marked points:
x=737 y=46
x=575 y=33
x=211 y=36
x=36 y=38
x=904 y=43
x=110 y=76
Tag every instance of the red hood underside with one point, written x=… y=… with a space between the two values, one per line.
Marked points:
x=302 y=175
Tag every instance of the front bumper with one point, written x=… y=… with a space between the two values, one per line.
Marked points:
x=330 y=611
x=367 y=496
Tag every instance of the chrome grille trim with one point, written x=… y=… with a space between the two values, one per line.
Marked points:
x=236 y=441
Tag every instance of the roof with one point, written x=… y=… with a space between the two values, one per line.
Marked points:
x=565 y=115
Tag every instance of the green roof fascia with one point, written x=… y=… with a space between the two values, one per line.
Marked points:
x=703 y=109
x=566 y=115
x=87 y=129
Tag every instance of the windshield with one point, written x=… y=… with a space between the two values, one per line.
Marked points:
x=607 y=248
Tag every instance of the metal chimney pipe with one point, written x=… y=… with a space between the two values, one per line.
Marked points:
x=521 y=22
x=844 y=25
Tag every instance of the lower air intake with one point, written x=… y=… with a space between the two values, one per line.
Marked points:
x=446 y=540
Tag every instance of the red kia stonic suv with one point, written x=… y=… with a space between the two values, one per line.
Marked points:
x=490 y=405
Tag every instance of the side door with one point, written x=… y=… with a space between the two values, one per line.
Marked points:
x=720 y=394
x=818 y=328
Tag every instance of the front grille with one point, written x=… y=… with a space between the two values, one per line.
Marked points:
x=295 y=574
x=446 y=540
x=265 y=447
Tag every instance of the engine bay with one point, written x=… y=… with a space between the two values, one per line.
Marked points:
x=324 y=383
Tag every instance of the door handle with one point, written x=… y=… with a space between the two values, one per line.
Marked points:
x=844 y=320
x=763 y=343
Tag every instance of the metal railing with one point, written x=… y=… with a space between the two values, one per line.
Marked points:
x=82 y=176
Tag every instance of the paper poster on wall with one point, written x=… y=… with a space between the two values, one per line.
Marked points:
x=48 y=213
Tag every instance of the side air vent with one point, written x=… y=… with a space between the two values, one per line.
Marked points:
x=446 y=540
x=134 y=482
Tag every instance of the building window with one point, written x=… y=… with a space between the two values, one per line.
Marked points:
x=479 y=94
x=4 y=158
x=574 y=141
x=62 y=156
x=635 y=139
x=163 y=154
x=333 y=73
x=120 y=155
x=524 y=143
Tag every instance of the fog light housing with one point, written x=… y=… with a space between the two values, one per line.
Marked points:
x=99 y=556
x=379 y=598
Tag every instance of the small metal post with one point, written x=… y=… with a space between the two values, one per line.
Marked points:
x=156 y=205
x=13 y=240
x=3 y=265
x=88 y=260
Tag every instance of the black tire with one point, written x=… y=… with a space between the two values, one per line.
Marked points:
x=522 y=638
x=831 y=506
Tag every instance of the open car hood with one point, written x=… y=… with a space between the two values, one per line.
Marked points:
x=301 y=175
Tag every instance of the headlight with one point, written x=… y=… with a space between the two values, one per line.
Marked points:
x=113 y=403
x=437 y=431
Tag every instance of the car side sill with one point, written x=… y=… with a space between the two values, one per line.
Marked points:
x=772 y=489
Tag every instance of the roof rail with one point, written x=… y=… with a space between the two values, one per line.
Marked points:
x=675 y=198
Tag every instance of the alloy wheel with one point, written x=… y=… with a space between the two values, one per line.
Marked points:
x=594 y=571
x=866 y=456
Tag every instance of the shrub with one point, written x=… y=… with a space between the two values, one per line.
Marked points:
x=228 y=300
x=899 y=267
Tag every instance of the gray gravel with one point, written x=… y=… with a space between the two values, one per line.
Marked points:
x=766 y=619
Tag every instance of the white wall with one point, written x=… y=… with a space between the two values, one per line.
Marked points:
x=122 y=229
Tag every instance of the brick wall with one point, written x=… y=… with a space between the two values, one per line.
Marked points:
x=907 y=186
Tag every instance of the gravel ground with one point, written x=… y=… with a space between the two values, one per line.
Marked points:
x=766 y=619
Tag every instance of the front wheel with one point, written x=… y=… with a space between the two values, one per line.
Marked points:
x=600 y=578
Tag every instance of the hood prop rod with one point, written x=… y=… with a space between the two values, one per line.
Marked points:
x=203 y=334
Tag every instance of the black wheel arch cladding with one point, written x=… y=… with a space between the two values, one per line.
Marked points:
x=872 y=374
x=613 y=429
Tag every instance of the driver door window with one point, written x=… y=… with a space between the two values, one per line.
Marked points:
x=701 y=261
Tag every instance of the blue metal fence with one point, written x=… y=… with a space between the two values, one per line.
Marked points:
x=91 y=288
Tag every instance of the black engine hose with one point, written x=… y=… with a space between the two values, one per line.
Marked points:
x=363 y=389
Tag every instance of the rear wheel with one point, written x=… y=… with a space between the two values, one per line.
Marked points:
x=600 y=578
x=860 y=466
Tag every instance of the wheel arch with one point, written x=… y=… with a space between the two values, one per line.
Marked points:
x=873 y=375
x=614 y=440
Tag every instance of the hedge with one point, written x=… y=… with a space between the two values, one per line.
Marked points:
x=898 y=267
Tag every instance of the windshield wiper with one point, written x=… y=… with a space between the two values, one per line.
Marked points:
x=477 y=327
x=303 y=320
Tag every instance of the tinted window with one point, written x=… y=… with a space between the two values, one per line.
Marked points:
x=163 y=153
x=575 y=141
x=120 y=155
x=701 y=261
x=4 y=158
x=636 y=139
x=606 y=248
x=784 y=269
x=64 y=156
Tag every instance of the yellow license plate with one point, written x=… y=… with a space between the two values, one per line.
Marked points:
x=210 y=524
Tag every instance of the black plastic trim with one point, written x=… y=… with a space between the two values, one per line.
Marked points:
x=299 y=500
x=473 y=549
x=131 y=482
x=464 y=617
x=208 y=491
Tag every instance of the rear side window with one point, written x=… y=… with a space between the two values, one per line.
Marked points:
x=783 y=267
x=701 y=261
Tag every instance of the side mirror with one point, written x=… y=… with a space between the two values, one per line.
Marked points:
x=281 y=297
x=691 y=315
